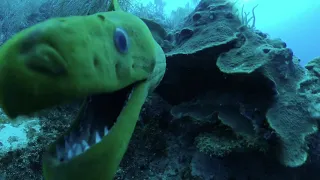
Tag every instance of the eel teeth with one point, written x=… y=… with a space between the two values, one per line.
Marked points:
x=128 y=97
x=75 y=146
x=130 y=94
x=77 y=149
x=85 y=145
x=106 y=131
x=69 y=154
x=98 y=137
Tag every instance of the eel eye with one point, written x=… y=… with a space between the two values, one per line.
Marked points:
x=120 y=39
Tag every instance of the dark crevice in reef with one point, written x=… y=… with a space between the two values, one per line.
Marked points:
x=190 y=76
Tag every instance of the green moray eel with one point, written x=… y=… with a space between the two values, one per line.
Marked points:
x=110 y=59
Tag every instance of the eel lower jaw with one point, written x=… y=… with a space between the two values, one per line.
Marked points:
x=95 y=121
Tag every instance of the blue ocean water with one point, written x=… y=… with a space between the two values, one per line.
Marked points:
x=295 y=22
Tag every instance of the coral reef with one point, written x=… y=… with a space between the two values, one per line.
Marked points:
x=254 y=81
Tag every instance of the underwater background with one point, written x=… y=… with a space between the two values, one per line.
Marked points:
x=240 y=99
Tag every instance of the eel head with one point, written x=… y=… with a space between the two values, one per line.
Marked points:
x=109 y=59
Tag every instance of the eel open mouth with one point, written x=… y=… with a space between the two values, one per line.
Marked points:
x=96 y=118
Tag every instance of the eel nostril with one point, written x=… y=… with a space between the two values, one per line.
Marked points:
x=29 y=42
x=44 y=59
